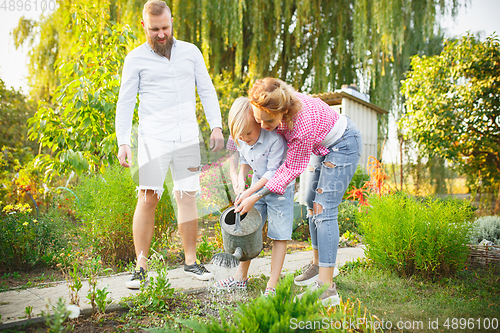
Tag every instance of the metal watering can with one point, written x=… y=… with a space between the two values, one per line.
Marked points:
x=241 y=235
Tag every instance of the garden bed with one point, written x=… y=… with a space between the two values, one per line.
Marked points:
x=48 y=276
x=469 y=294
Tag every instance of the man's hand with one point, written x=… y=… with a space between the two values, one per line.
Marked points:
x=216 y=139
x=234 y=182
x=238 y=186
x=125 y=155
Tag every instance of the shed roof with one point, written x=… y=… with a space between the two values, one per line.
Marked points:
x=335 y=98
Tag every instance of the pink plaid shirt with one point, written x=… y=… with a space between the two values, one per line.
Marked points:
x=311 y=125
x=231 y=145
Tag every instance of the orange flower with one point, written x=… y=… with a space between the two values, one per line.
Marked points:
x=359 y=194
x=377 y=175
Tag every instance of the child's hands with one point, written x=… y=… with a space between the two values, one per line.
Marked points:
x=242 y=196
x=246 y=205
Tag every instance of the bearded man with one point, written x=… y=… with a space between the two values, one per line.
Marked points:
x=166 y=73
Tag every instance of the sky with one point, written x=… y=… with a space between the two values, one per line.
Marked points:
x=13 y=69
x=479 y=16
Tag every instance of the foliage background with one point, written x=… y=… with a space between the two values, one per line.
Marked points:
x=106 y=207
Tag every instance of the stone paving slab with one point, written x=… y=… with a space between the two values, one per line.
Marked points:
x=13 y=303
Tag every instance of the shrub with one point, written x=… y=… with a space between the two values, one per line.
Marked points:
x=27 y=242
x=425 y=237
x=107 y=205
x=347 y=217
x=486 y=227
x=206 y=249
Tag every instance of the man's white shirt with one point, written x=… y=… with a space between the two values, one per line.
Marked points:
x=167 y=94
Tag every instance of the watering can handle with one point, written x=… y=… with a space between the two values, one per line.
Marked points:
x=237 y=225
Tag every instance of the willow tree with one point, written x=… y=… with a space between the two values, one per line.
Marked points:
x=293 y=40
x=387 y=34
x=50 y=40
x=315 y=45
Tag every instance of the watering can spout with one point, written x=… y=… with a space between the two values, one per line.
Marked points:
x=228 y=260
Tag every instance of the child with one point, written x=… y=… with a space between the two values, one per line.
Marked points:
x=263 y=152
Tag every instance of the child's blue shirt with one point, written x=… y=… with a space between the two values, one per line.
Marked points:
x=265 y=156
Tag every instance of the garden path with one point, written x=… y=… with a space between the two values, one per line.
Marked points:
x=14 y=303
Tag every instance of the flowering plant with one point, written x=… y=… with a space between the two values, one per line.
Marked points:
x=359 y=194
x=26 y=241
x=378 y=176
x=376 y=184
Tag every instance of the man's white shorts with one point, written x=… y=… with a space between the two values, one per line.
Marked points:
x=155 y=157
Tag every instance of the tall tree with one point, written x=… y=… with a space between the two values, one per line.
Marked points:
x=15 y=110
x=50 y=41
x=453 y=107
x=79 y=126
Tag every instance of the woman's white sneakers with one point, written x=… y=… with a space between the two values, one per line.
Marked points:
x=329 y=297
x=309 y=277
x=310 y=274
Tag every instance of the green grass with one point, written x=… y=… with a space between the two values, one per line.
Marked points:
x=473 y=293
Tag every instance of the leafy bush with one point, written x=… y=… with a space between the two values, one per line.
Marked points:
x=426 y=237
x=107 y=205
x=486 y=227
x=349 y=239
x=27 y=242
x=206 y=249
x=347 y=217
x=16 y=149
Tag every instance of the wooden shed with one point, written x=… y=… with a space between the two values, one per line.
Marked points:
x=364 y=114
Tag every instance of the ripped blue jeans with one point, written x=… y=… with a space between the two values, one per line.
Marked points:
x=327 y=180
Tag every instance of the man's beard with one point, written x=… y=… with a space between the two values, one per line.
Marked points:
x=163 y=49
